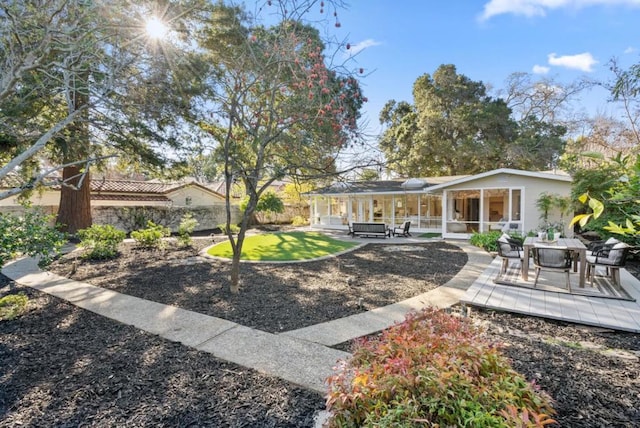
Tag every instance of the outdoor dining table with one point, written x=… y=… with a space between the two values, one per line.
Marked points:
x=573 y=244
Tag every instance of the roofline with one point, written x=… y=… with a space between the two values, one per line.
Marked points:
x=193 y=183
x=393 y=192
x=535 y=174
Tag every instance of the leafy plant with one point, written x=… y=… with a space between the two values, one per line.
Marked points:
x=151 y=236
x=433 y=370
x=234 y=228
x=12 y=306
x=29 y=234
x=486 y=240
x=544 y=204
x=268 y=202
x=186 y=228
x=299 y=221
x=101 y=241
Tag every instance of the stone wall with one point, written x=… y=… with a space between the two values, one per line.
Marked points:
x=132 y=218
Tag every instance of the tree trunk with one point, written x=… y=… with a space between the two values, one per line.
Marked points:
x=235 y=273
x=74 y=212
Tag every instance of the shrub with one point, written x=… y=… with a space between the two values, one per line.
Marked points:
x=151 y=237
x=101 y=241
x=299 y=221
x=486 y=240
x=234 y=228
x=186 y=228
x=12 y=306
x=433 y=370
x=29 y=234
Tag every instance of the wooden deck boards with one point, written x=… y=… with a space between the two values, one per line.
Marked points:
x=595 y=311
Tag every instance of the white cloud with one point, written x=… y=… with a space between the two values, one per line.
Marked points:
x=584 y=61
x=531 y=8
x=630 y=50
x=358 y=47
x=540 y=69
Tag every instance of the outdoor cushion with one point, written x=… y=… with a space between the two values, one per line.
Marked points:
x=614 y=256
x=504 y=238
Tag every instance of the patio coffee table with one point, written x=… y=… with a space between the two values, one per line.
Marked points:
x=572 y=244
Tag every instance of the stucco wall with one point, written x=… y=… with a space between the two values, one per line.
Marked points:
x=532 y=188
x=199 y=197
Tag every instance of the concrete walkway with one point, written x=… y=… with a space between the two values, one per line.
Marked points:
x=300 y=356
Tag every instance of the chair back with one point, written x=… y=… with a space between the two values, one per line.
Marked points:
x=508 y=248
x=406 y=226
x=549 y=257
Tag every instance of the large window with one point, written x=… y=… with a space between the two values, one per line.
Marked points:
x=483 y=210
x=430 y=211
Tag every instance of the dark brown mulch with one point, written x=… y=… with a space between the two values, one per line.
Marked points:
x=275 y=297
x=63 y=366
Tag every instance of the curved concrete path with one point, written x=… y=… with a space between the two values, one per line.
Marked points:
x=299 y=356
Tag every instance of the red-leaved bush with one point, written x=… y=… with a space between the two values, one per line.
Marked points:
x=433 y=370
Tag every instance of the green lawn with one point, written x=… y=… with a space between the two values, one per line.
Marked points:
x=430 y=235
x=285 y=246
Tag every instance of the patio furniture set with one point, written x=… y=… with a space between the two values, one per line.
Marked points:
x=562 y=255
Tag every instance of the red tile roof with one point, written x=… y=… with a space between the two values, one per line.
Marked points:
x=136 y=198
x=130 y=186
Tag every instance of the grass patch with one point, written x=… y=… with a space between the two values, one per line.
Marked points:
x=430 y=235
x=285 y=246
x=12 y=306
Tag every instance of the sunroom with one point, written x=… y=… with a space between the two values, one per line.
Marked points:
x=457 y=206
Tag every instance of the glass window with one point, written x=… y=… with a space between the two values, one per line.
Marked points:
x=516 y=204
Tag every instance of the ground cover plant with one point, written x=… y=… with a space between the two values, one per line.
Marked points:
x=284 y=246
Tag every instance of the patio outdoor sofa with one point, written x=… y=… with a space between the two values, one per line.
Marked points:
x=378 y=230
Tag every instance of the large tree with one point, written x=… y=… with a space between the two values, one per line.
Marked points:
x=453 y=127
x=83 y=79
x=274 y=105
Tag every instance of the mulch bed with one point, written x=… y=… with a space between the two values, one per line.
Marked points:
x=274 y=297
x=63 y=366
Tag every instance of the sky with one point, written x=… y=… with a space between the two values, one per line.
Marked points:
x=395 y=42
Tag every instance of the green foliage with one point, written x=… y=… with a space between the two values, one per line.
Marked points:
x=616 y=211
x=101 y=241
x=151 y=236
x=29 y=234
x=369 y=174
x=12 y=306
x=186 y=228
x=268 y=202
x=453 y=127
x=299 y=221
x=433 y=370
x=292 y=192
x=234 y=228
x=486 y=240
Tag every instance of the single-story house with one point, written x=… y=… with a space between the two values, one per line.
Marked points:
x=109 y=192
x=455 y=206
x=127 y=204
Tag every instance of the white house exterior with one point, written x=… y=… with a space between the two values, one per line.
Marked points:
x=453 y=206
